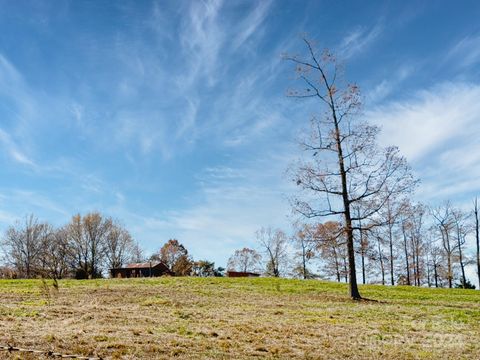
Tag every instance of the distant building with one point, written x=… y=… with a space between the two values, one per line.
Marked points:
x=241 y=274
x=147 y=269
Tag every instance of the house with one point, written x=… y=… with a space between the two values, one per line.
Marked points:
x=241 y=274
x=147 y=269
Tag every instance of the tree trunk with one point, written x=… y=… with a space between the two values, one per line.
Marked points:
x=449 y=263
x=304 y=262
x=337 y=265
x=407 y=265
x=460 y=254
x=353 y=287
x=417 y=260
x=414 y=260
x=392 y=280
x=382 y=268
x=477 y=237
x=362 y=252
x=428 y=274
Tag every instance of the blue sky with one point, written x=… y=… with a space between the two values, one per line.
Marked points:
x=172 y=115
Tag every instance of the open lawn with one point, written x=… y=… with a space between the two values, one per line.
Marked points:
x=221 y=318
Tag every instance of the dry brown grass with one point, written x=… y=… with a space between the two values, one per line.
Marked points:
x=191 y=318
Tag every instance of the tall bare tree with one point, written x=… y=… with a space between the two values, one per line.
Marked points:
x=56 y=254
x=389 y=217
x=477 y=238
x=88 y=239
x=445 y=223
x=379 y=253
x=346 y=166
x=461 y=230
x=24 y=244
x=274 y=244
x=119 y=246
x=330 y=238
x=304 y=242
x=244 y=260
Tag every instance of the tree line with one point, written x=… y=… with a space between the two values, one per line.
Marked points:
x=85 y=248
x=416 y=245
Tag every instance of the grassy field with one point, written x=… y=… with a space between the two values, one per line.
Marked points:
x=221 y=318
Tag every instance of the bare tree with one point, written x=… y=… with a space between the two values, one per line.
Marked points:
x=119 y=247
x=244 y=260
x=437 y=257
x=88 y=239
x=330 y=238
x=137 y=253
x=417 y=240
x=24 y=244
x=461 y=230
x=346 y=166
x=379 y=254
x=56 y=254
x=389 y=218
x=444 y=220
x=477 y=238
x=79 y=247
x=405 y=226
x=274 y=244
x=304 y=241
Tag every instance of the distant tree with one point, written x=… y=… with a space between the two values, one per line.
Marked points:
x=436 y=261
x=119 y=246
x=305 y=244
x=461 y=231
x=56 y=255
x=412 y=225
x=7 y=273
x=389 y=217
x=175 y=256
x=244 y=260
x=330 y=240
x=183 y=266
x=137 y=254
x=346 y=167
x=87 y=236
x=379 y=254
x=274 y=245
x=445 y=223
x=477 y=237
x=465 y=285
x=405 y=226
x=205 y=268
x=24 y=244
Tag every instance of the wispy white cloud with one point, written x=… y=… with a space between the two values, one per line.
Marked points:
x=387 y=86
x=359 y=40
x=466 y=52
x=437 y=130
x=139 y=132
x=14 y=151
x=202 y=38
x=428 y=119
x=250 y=25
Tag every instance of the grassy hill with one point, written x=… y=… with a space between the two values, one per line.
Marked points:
x=221 y=318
